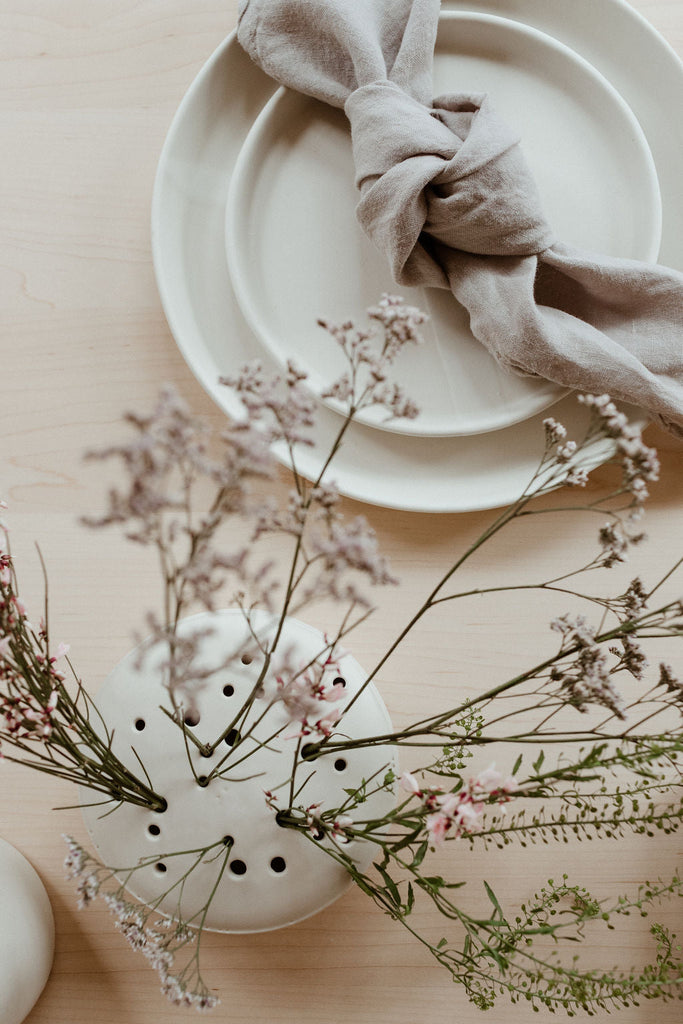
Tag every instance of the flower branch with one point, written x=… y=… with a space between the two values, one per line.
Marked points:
x=617 y=766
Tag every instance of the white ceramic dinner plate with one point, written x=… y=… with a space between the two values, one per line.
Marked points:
x=423 y=474
x=295 y=250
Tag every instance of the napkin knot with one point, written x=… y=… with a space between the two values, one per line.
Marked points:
x=453 y=174
x=448 y=198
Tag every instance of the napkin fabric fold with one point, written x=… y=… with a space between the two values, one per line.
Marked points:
x=446 y=194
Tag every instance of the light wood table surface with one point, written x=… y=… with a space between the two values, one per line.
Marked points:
x=87 y=93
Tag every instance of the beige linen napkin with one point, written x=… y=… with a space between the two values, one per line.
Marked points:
x=446 y=194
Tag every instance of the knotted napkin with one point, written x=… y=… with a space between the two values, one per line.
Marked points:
x=446 y=194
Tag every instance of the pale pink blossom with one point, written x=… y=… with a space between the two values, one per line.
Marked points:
x=409 y=783
x=340 y=826
x=306 y=698
x=312 y=820
x=468 y=815
x=437 y=826
x=457 y=813
x=326 y=724
x=460 y=812
x=449 y=803
x=492 y=781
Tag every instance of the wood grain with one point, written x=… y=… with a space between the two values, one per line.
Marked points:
x=87 y=91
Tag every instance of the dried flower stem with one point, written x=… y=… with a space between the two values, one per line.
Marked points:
x=610 y=775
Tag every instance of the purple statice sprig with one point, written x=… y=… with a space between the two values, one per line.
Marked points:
x=170 y=943
x=370 y=354
x=569 y=461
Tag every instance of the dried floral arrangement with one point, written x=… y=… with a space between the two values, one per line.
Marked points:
x=615 y=721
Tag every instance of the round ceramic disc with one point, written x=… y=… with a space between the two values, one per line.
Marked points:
x=27 y=935
x=274 y=876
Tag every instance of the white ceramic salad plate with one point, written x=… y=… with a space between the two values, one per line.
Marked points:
x=295 y=250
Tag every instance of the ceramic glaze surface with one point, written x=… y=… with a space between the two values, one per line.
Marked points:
x=271 y=876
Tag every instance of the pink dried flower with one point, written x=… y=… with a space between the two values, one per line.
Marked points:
x=25 y=718
x=393 y=398
x=614 y=542
x=639 y=463
x=76 y=857
x=352 y=546
x=632 y=656
x=460 y=812
x=400 y=323
x=270 y=518
x=340 y=827
x=672 y=684
x=566 y=451
x=369 y=357
x=158 y=945
x=87 y=889
x=587 y=679
x=170 y=451
x=576 y=477
x=282 y=407
x=555 y=432
x=437 y=826
x=306 y=698
x=635 y=598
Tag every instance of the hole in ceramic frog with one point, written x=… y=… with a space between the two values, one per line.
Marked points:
x=339 y=681
x=160 y=868
x=340 y=764
x=232 y=737
x=140 y=724
x=154 y=830
x=191 y=718
x=238 y=867
x=247 y=658
x=228 y=690
x=278 y=865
